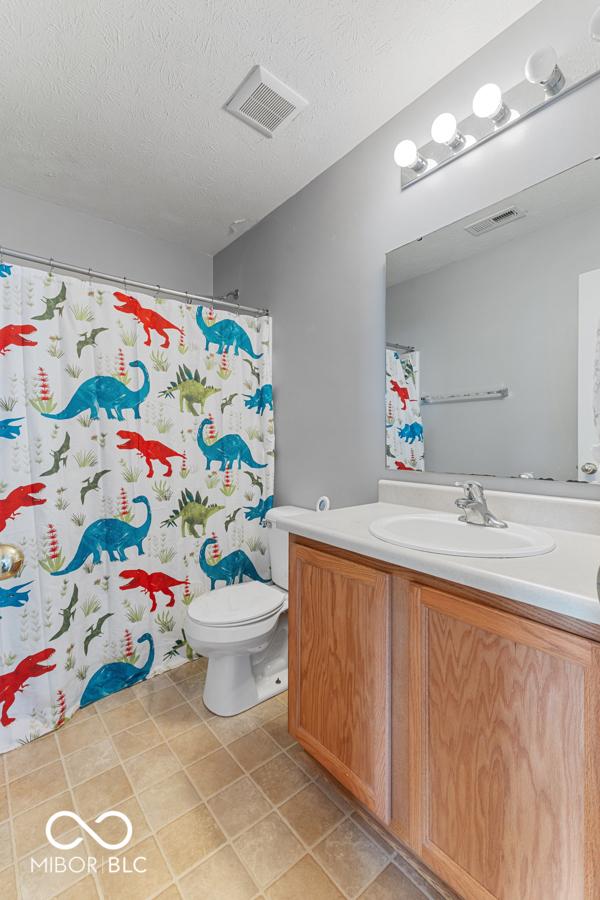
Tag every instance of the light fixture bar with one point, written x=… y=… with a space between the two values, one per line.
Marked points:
x=410 y=177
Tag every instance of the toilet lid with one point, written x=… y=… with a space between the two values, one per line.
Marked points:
x=236 y=604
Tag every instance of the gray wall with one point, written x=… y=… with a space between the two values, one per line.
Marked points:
x=508 y=316
x=318 y=261
x=45 y=229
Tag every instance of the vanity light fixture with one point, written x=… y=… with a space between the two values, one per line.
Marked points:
x=407 y=156
x=542 y=68
x=493 y=111
x=595 y=25
x=488 y=104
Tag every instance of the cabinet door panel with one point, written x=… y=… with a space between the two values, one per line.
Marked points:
x=339 y=658
x=504 y=741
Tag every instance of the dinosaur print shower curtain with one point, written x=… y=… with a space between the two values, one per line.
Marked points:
x=404 y=446
x=136 y=469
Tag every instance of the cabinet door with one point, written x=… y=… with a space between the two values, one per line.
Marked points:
x=509 y=747
x=339 y=670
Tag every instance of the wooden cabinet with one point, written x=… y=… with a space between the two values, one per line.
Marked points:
x=473 y=733
x=508 y=717
x=339 y=671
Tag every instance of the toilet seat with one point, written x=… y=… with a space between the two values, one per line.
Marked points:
x=239 y=604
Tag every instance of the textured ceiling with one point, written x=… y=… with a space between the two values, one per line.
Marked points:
x=114 y=107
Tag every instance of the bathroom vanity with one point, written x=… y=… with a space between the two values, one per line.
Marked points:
x=457 y=699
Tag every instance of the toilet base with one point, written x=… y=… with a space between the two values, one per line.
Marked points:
x=238 y=682
x=231 y=687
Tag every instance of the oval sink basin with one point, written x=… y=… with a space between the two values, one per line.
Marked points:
x=443 y=533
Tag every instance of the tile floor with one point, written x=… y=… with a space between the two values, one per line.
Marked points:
x=222 y=809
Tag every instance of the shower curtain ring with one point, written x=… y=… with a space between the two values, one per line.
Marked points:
x=51 y=267
x=125 y=283
x=1 y=256
x=157 y=292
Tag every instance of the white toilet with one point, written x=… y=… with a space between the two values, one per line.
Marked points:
x=243 y=631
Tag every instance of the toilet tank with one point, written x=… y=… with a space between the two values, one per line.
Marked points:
x=278 y=542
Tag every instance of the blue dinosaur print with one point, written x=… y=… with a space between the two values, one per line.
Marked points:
x=235 y=565
x=411 y=433
x=113 y=536
x=12 y=597
x=115 y=676
x=8 y=430
x=107 y=393
x=260 y=399
x=5 y=270
x=229 y=449
x=260 y=510
x=225 y=334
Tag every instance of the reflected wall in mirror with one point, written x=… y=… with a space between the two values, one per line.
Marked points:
x=493 y=338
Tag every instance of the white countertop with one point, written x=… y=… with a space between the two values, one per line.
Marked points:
x=562 y=581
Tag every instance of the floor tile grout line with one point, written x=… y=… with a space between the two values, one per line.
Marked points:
x=230 y=841
x=276 y=807
x=344 y=893
x=151 y=717
x=72 y=794
x=347 y=816
x=152 y=830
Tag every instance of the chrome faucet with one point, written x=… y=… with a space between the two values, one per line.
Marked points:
x=475 y=506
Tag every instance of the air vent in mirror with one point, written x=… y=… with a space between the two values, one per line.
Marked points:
x=265 y=102
x=496 y=221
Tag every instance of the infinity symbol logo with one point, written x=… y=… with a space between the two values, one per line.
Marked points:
x=66 y=813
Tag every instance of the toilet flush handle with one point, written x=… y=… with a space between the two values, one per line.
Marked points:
x=11 y=561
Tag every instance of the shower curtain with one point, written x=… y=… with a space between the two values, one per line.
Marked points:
x=136 y=470
x=404 y=426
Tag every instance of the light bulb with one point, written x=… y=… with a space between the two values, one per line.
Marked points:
x=443 y=128
x=444 y=131
x=407 y=156
x=595 y=26
x=542 y=68
x=488 y=104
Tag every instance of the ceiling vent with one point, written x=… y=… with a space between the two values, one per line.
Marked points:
x=264 y=102
x=496 y=221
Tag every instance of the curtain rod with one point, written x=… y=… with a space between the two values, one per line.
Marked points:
x=406 y=348
x=181 y=296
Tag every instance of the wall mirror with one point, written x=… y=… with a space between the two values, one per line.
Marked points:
x=493 y=338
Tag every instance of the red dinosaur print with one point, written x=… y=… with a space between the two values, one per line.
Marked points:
x=403 y=466
x=401 y=391
x=13 y=335
x=148 y=318
x=17 y=499
x=14 y=682
x=151 y=583
x=148 y=450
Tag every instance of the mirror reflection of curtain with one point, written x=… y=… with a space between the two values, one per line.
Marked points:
x=404 y=426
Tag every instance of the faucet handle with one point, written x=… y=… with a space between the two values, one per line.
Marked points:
x=473 y=489
x=468 y=486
